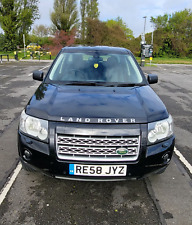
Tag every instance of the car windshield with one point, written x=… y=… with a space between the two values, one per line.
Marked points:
x=95 y=67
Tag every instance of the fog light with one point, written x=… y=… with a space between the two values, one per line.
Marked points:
x=27 y=155
x=166 y=158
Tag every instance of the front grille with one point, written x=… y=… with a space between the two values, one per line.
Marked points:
x=97 y=148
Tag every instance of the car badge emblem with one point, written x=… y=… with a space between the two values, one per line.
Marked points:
x=121 y=151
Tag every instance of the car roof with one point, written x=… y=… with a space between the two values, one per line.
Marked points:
x=96 y=48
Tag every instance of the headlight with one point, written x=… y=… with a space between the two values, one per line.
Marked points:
x=33 y=126
x=160 y=130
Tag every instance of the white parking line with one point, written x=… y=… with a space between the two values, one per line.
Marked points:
x=39 y=70
x=44 y=67
x=30 y=74
x=9 y=184
x=11 y=180
x=183 y=160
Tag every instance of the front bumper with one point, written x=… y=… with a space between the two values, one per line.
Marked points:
x=152 y=159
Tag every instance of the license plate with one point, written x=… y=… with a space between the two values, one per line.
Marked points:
x=97 y=170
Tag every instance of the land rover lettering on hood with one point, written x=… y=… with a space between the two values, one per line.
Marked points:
x=95 y=117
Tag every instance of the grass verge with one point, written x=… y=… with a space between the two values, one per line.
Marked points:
x=167 y=60
x=42 y=55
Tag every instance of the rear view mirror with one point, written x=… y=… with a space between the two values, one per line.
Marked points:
x=152 y=78
x=38 y=75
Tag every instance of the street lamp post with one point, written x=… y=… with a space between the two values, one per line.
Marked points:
x=142 y=44
x=24 y=44
x=145 y=17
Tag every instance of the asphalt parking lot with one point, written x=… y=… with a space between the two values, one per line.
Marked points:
x=37 y=199
x=174 y=88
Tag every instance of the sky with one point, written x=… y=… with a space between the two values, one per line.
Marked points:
x=131 y=11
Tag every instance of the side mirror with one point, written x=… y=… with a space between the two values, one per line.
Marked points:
x=152 y=78
x=38 y=75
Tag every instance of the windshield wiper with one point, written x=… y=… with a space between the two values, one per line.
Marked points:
x=104 y=84
x=129 y=85
x=88 y=83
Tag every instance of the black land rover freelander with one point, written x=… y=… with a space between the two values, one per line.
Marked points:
x=95 y=117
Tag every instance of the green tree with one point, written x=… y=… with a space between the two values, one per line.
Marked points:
x=2 y=41
x=173 y=34
x=181 y=23
x=40 y=34
x=119 y=22
x=98 y=33
x=9 y=22
x=65 y=14
x=89 y=9
x=83 y=7
x=41 y=31
x=160 y=21
x=92 y=9
x=29 y=12
x=16 y=18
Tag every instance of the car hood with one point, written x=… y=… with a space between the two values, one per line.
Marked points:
x=90 y=104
